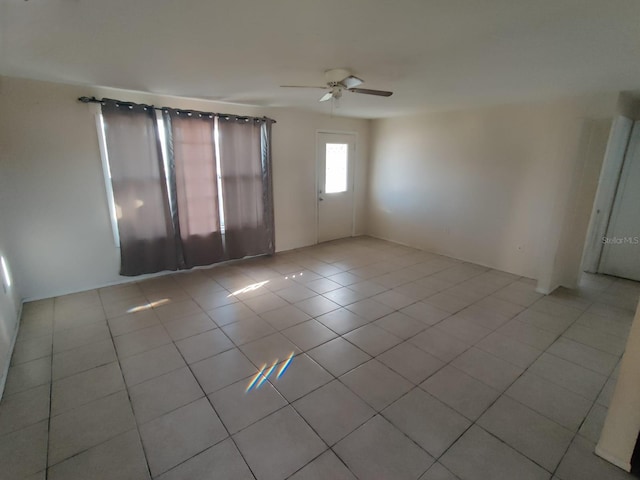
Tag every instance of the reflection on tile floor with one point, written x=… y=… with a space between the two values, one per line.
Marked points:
x=406 y=365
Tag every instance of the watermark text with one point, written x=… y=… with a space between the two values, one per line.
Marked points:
x=621 y=240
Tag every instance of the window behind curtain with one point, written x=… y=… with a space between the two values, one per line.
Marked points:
x=192 y=162
x=146 y=231
x=246 y=187
x=170 y=211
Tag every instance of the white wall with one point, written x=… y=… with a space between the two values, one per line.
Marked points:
x=55 y=213
x=487 y=185
x=576 y=202
x=10 y=296
x=10 y=307
x=589 y=178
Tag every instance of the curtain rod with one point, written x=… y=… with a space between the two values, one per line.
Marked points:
x=166 y=109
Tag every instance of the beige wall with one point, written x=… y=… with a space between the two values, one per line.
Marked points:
x=491 y=185
x=580 y=199
x=629 y=105
x=55 y=211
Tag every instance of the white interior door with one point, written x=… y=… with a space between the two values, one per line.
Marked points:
x=621 y=250
x=336 y=161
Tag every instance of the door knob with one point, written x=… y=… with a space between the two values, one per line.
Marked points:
x=320 y=199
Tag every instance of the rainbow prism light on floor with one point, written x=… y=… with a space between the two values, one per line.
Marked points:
x=262 y=376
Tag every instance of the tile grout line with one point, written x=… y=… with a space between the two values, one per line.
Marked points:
x=574 y=434
x=288 y=403
x=380 y=412
x=593 y=403
x=229 y=436
x=474 y=422
x=126 y=386
x=53 y=325
x=374 y=357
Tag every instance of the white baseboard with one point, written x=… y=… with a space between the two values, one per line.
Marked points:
x=444 y=254
x=611 y=458
x=544 y=291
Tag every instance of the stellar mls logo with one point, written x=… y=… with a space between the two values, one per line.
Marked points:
x=621 y=240
x=264 y=373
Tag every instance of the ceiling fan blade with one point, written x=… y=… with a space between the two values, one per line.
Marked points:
x=326 y=96
x=366 y=91
x=351 y=82
x=303 y=86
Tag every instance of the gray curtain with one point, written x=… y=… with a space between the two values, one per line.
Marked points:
x=145 y=224
x=247 y=193
x=194 y=182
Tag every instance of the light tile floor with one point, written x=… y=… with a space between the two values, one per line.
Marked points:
x=407 y=365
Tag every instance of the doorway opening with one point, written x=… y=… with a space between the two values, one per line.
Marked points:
x=613 y=242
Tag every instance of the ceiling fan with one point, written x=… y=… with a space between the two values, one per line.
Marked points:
x=339 y=80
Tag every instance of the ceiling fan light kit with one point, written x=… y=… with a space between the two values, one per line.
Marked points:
x=351 y=81
x=339 y=80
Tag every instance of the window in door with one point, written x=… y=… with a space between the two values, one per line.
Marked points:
x=336 y=167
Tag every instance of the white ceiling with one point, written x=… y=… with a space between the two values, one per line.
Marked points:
x=434 y=54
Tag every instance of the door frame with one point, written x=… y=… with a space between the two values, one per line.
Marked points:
x=353 y=177
x=614 y=158
x=623 y=186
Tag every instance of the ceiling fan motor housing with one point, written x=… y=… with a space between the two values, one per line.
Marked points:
x=336 y=75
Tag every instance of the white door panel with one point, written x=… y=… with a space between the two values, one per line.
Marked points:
x=336 y=161
x=621 y=250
